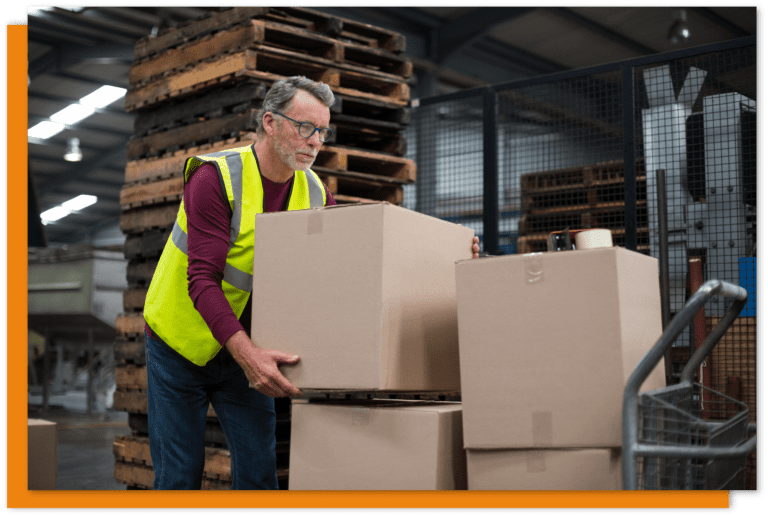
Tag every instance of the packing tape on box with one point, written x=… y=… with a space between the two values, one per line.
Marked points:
x=542 y=428
x=534 y=268
x=535 y=461
x=590 y=239
x=315 y=222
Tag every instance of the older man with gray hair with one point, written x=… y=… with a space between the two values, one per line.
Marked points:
x=197 y=310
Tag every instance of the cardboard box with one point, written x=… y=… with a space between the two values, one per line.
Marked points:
x=377 y=445
x=41 y=454
x=364 y=294
x=544 y=469
x=547 y=342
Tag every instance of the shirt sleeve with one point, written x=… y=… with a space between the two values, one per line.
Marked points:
x=208 y=218
x=329 y=201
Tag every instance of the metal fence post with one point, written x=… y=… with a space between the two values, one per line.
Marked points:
x=630 y=173
x=490 y=173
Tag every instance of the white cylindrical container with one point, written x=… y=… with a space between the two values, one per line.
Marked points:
x=589 y=239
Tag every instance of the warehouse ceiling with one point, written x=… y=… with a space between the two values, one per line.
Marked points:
x=75 y=51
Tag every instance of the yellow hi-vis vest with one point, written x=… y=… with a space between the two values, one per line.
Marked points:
x=168 y=309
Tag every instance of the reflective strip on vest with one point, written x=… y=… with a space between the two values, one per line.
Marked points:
x=316 y=190
x=232 y=275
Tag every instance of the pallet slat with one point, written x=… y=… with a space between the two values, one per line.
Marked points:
x=148 y=218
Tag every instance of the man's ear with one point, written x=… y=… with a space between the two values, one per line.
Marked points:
x=268 y=123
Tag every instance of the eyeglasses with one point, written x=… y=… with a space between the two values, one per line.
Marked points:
x=307 y=130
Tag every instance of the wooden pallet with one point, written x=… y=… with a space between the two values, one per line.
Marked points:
x=579 y=197
x=144 y=219
x=172 y=163
x=214 y=434
x=339 y=27
x=338 y=394
x=537 y=243
x=130 y=401
x=608 y=215
x=204 y=107
x=135 y=450
x=265 y=65
x=348 y=160
x=146 y=245
x=216 y=129
x=354 y=172
x=332 y=26
x=269 y=35
x=130 y=350
x=376 y=137
x=604 y=173
x=382 y=117
x=139 y=272
x=335 y=159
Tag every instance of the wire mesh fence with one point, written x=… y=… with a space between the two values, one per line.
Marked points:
x=518 y=161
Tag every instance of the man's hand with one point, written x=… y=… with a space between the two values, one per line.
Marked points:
x=475 y=247
x=260 y=366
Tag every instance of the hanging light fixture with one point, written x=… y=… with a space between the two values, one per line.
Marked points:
x=73 y=154
x=679 y=31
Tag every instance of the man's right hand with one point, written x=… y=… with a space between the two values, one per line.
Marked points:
x=261 y=366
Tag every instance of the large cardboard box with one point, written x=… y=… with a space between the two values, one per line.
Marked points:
x=41 y=454
x=544 y=469
x=377 y=445
x=547 y=342
x=364 y=294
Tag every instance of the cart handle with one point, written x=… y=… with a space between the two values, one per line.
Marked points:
x=679 y=323
x=648 y=362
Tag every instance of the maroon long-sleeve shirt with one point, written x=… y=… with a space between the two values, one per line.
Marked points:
x=208 y=217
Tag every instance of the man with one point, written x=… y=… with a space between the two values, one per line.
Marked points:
x=198 y=311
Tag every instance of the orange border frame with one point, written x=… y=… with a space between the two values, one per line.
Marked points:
x=20 y=497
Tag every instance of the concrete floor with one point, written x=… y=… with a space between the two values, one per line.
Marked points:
x=84 y=450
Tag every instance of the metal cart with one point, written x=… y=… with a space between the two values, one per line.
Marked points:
x=686 y=436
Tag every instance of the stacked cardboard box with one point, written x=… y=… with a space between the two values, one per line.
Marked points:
x=377 y=445
x=196 y=89
x=41 y=458
x=365 y=295
x=547 y=342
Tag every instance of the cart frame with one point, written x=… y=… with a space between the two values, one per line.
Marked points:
x=689 y=449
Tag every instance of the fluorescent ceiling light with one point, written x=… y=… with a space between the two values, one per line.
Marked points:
x=103 y=97
x=39 y=10
x=72 y=114
x=45 y=129
x=67 y=207
x=79 y=202
x=54 y=214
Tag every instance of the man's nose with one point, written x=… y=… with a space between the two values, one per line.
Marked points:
x=314 y=140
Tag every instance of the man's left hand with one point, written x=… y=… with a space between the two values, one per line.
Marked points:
x=475 y=247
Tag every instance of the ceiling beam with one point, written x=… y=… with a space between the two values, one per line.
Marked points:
x=82 y=169
x=69 y=100
x=500 y=52
x=468 y=28
x=90 y=80
x=107 y=172
x=51 y=22
x=603 y=31
x=410 y=16
x=83 y=126
x=712 y=16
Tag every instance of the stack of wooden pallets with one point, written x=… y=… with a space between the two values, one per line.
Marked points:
x=196 y=89
x=577 y=198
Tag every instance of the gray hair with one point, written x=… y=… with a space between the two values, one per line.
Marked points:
x=280 y=96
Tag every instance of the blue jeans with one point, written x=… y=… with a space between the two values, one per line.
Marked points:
x=178 y=395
